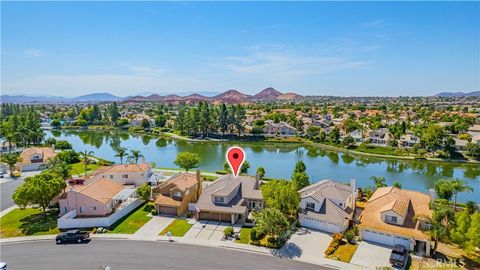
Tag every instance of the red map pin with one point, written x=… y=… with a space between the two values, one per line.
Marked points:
x=235 y=158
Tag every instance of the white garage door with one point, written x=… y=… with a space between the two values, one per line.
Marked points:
x=319 y=225
x=385 y=239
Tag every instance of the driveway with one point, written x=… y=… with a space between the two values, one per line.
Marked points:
x=153 y=227
x=207 y=230
x=372 y=255
x=306 y=243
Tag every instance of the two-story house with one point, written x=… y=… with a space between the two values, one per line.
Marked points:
x=230 y=199
x=379 y=137
x=357 y=136
x=173 y=196
x=279 y=129
x=395 y=216
x=409 y=139
x=327 y=206
x=125 y=174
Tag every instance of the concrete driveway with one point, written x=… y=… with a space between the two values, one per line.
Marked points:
x=153 y=227
x=371 y=255
x=306 y=243
x=207 y=230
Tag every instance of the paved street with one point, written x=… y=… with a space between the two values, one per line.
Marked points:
x=8 y=186
x=136 y=255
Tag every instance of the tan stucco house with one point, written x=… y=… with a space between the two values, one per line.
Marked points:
x=395 y=216
x=229 y=199
x=173 y=196
x=124 y=174
x=34 y=158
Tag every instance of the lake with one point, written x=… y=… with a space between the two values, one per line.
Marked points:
x=279 y=160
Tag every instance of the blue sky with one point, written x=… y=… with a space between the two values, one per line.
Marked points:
x=315 y=48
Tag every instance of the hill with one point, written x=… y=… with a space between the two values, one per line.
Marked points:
x=288 y=96
x=459 y=94
x=267 y=93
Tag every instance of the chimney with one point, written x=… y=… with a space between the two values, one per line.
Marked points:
x=257 y=182
x=199 y=183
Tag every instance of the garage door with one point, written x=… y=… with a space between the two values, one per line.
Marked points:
x=385 y=239
x=319 y=225
x=167 y=210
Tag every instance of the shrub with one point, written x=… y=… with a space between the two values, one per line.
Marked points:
x=253 y=234
x=63 y=145
x=69 y=156
x=349 y=235
x=154 y=212
x=337 y=237
x=228 y=231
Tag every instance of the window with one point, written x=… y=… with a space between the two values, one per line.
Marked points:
x=65 y=209
x=125 y=176
x=310 y=206
x=81 y=209
x=177 y=194
x=390 y=219
x=219 y=199
x=94 y=208
x=111 y=176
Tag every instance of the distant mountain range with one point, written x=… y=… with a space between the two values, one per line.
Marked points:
x=90 y=98
x=458 y=94
x=230 y=96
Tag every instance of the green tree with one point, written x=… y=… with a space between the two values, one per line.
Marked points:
x=379 y=181
x=444 y=189
x=272 y=222
x=348 y=141
x=473 y=150
x=245 y=167
x=135 y=155
x=283 y=195
x=300 y=180
x=261 y=172
x=39 y=190
x=397 y=185
x=187 y=160
x=11 y=160
x=300 y=167
x=85 y=156
x=459 y=233
x=145 y=123
x=459 y=186
x=121 y=152
x=433 y=137
x=114 y=113
x=144 y=192
x=473 y=233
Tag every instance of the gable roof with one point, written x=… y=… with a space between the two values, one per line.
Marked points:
x=326 y=189
x=45 y=152
x=413 y=203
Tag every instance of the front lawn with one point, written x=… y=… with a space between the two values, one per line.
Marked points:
x=178 y=227
x=26 y=222
x=79 y=168
x=133 y=221
x=344 y=252
x=244 y=236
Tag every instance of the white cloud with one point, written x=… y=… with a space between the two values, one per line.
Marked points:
x=34 y=53
x=146 y=70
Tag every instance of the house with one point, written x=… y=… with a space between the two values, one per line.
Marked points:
x=460 y=145
x=124 y=174
x=137 y=120
x=279 y=129
x=327 y=206
x=174 y=195
x=356 y=135
x=6 y=146
x=36 y=157
x=379 y=137
x=229 y=199
x=474 y=130
x=395 y=216
x=408 y=140
x=99 y=198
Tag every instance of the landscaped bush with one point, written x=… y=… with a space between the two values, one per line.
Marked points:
x=228 y=231
x=63 y=145
x=253 y=235
x=274 y=242
x=337 y=238
x=69 y=156
x=350 y=235
x=154 y=212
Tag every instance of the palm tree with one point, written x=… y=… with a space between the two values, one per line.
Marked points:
x=459 y=186
x=86 y=159
x=135 y=155
x=442 y=221
x=379 y=181
x=121 y=153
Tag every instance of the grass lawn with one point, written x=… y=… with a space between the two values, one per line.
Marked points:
x=244 y=236
x=79 y=168
x=178 y=227
x=344 y=252
x=29 y=221
x=133 y=221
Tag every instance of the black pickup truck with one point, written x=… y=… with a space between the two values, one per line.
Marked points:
x=72 y=236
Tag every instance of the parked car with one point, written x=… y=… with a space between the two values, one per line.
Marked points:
x=399 y=256
x=72 y=236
